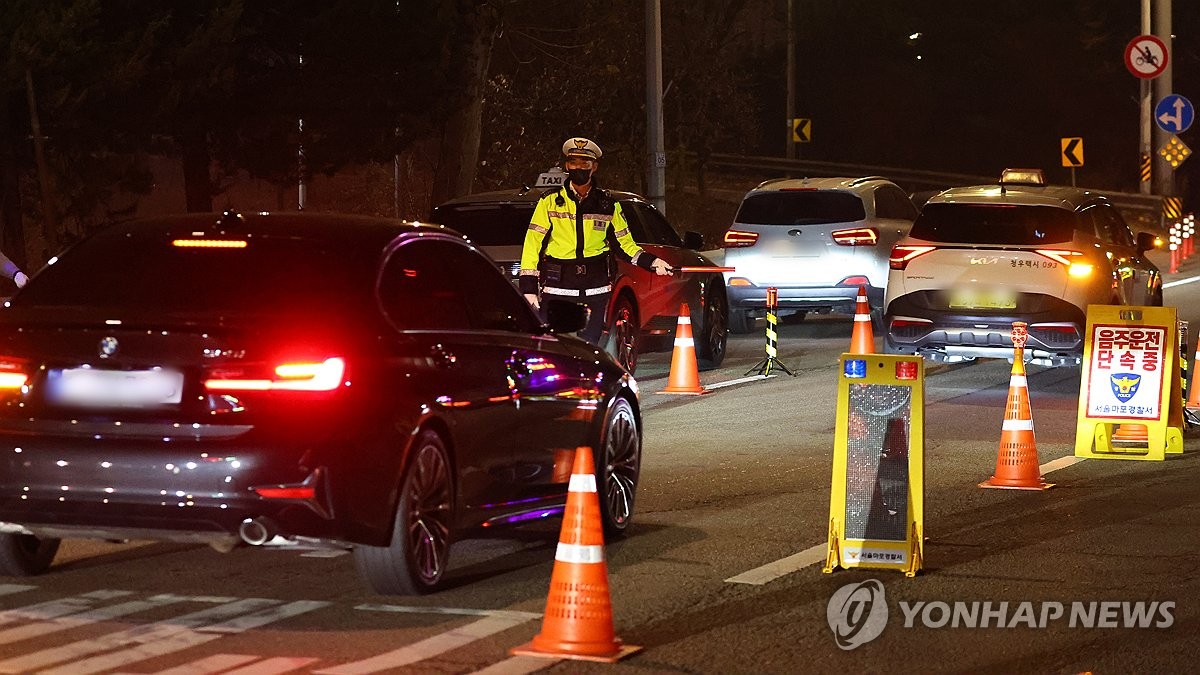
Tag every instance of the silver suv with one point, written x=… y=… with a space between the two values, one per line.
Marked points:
x=982 y=257
x=816 y=240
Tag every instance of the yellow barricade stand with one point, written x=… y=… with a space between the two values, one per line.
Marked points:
x=877 y=502
x=1130 y=401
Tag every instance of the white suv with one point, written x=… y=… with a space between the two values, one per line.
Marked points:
x=816 y=240
x=979 y=258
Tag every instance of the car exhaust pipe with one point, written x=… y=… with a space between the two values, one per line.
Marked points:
x=256 y=531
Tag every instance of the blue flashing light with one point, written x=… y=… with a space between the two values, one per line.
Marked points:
x=856 y=368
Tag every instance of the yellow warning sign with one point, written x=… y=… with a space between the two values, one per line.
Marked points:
x=1130 y=400
x=877 y=501
x=1072 y=152
x=801 y=130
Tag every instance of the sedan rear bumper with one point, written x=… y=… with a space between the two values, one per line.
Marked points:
x=808 y=298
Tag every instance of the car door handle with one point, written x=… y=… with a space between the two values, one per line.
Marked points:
x=441 y=357
x=795 y=233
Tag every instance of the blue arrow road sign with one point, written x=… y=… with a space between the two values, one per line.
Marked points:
x=1174 y=114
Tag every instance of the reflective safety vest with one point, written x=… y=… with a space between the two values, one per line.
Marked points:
x=569 y=240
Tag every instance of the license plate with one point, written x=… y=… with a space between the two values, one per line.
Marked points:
x=982 y=300
x=99 y=388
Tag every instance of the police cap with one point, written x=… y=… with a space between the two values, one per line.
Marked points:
x=581 y=147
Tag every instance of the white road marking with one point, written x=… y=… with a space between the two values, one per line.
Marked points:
x=325 y=553
x=772 y=571
x=1180 y=282
x=740 y=380
x=517 y=665
x=56 y=608
x=274 y=666
x=815 y=554
x=9 y=589
x=216 y=663
x=1060 y=463
x=428 y=648
x=408 y=609
x=37 y=629
x=162 y=637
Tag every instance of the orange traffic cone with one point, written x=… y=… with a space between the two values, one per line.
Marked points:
x=578 y=621
x=1131 y=433
x=862 y=340
x=1193 y=399
x=1017 y=466
x=685 y=372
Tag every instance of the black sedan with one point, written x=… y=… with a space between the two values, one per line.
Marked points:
x=301 y=380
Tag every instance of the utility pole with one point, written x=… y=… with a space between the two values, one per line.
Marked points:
x=1144 y=147
x=791 y=79
x=656 y=171
x=1164 y=175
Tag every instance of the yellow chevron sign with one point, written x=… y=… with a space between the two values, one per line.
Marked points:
x=1072 y=152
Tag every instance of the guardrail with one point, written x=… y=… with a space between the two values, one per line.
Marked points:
x=1143 y=212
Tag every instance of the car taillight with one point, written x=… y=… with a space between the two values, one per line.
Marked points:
x=291 y=376
x=740 y=238
x=857 y=280
x=14 y=373
x=1071 y=259
x=858 y=236
x=902 y=255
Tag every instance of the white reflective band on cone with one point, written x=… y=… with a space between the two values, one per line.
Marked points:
x=685 y=342
x=862 y=317
x=574 y=553
x=1018 y=381
x=582 y=482
x=1018 y=425
x=861 y=298
x=685 y=319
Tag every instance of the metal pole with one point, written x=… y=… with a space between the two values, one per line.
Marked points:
x=656 y=184
x=1164 y=175
x=790 y=144
x=1147 y=109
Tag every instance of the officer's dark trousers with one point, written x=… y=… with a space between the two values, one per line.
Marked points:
x=597 y=306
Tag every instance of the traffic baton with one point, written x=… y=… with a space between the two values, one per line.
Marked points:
x=688 y=269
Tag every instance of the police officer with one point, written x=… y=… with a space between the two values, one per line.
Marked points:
x=571 y=240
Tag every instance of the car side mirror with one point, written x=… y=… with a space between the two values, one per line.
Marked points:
x=566 y=317
x=693 y=240
x=1146 y=241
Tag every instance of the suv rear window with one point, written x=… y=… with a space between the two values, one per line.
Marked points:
x=800 y=208
x=1002 y=224
x=487 y=224
x=144 y=271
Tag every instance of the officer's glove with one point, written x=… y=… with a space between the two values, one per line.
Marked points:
x=20 y=279
x=533 y=300
x=662 y=268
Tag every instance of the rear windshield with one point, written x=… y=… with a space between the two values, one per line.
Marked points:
x=800 y=208
x=145 y=271
x=487 y=224
x=1005 y=224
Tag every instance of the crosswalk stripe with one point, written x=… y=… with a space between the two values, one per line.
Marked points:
x=37 y=629
x=55 y=608
x=517 y=665
x=274 y=666
x=141 y=634
x=217 y=663
x=9 y=589
x=179 y=639
x=419 y=651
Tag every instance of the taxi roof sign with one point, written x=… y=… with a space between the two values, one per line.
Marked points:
x=555 y=177
x=1023 y=177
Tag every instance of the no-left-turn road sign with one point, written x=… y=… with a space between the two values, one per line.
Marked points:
x=1146 y=57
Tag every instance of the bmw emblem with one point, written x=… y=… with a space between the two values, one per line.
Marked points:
x=108 y=347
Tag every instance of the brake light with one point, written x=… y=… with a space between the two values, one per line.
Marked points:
x=287 y=492
x=909 y=323
x=14 y=373
x=902 y=255
x=740 y=238
x=209 y=243
x=855 y=281
x=858 y=236
x=1075 y=268
x=298 y=376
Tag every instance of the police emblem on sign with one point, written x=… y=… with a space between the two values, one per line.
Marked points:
x=1124 y=385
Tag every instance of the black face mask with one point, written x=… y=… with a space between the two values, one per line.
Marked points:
x=580 y=176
